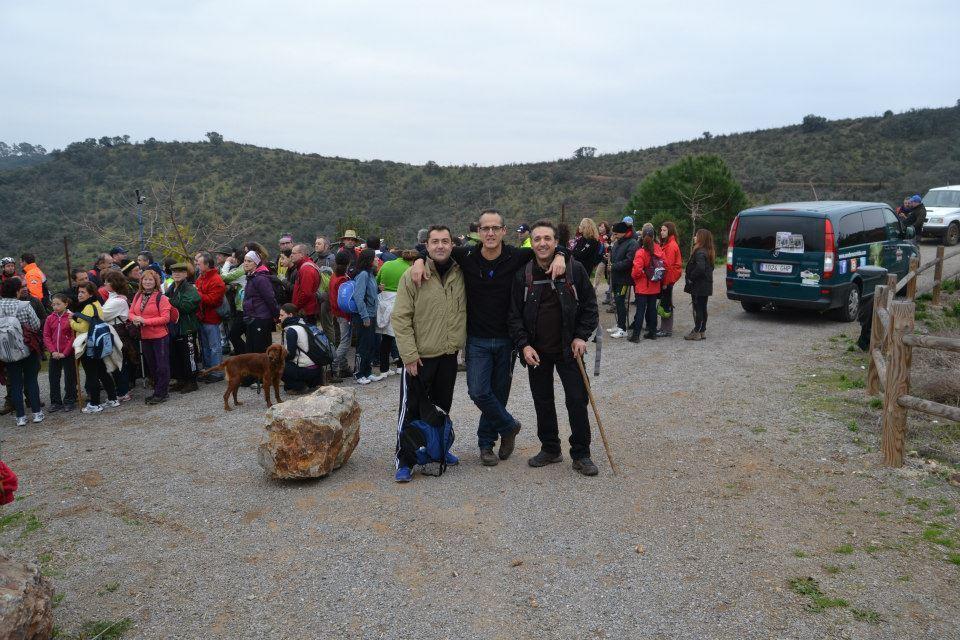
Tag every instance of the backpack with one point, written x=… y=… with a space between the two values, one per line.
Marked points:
x=224 y=309
x=319 y=348
x=656 y=269
x=323 y=290
x=345 y=297
x=99 y=338
x=13 y=348
x=528 y=275
x=426 y=441
x=282 y=291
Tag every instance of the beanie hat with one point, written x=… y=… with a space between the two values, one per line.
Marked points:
x=252 y=256
x=620 y=227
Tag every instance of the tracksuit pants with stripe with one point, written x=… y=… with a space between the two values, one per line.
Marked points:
x=438 y=376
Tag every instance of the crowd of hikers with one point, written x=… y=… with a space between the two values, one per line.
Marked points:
x=473 y=303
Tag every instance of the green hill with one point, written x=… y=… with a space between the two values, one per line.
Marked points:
x=272 y=190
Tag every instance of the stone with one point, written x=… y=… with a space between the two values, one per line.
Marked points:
x=26 y=609
x=311 y=435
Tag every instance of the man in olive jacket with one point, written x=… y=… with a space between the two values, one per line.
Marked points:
x=430 y=323
x=550 y=322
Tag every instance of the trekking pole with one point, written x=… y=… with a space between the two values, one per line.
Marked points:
x=596 y=414
x=143 y=365
x=76 y=369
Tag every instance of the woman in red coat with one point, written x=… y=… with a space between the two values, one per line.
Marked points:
x=648 y=273
x=673 y=262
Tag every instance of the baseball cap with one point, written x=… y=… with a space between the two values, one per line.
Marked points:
x=523 y=228
x=116 y=250
x=628 y=220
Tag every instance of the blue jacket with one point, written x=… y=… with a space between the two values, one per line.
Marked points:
x=365 y=295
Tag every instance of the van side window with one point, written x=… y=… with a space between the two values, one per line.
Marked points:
x=894 y=231
x=851 y=230
x=875 y=226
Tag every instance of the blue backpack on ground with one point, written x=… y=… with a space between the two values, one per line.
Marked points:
x=427 y=440
x=345 y=297
x=99 y=339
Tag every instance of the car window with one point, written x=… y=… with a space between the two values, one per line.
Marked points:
x=893 y=225
x=874 y=226
x=944 y=198
x=760 y=232
x=850 y=230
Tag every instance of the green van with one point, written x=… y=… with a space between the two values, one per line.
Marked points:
x=806 y=255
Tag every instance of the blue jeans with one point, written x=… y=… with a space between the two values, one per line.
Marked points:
x=211 y=347
x=489 y=374
x=21 y=375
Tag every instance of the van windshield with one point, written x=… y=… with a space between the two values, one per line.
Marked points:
x=760 y=232
x=945 y=198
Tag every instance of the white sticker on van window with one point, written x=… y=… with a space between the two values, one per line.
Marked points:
x=788 y=242
x=809 y=278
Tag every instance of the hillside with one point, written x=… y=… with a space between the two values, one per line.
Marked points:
x=874 y=158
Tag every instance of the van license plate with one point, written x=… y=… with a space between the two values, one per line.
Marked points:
x=772 y=267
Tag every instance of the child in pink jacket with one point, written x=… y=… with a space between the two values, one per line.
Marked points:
x=58 y=340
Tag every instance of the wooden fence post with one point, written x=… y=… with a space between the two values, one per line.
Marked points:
x=892 y=285
x=938 y=275
x=880 y=296
x=912 y=285
x=894 y=421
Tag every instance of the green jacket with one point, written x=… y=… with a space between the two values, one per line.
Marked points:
x=186 y=299
x=431 y=320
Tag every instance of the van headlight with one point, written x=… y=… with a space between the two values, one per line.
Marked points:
x=936 y=220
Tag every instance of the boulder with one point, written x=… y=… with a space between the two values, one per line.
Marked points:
x=311 y=435
x=26 y=610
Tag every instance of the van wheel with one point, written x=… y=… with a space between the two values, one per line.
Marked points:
x=851 y=306
x=751 y=307
x=952 y=236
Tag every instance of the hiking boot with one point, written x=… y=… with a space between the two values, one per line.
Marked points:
x=507 y=442
x=634 y=337
x=334 y=378
x=544 y=458
x=404 y=474
x=68 y=407
x=451 y=460
x=693 y=335
x=177 y=386
x=189 y=387
x=703 y=335
x=585 y=466
x=156 y=399
x=7 y=408
x=650 y=335
x=54 y=408
x=488 y=458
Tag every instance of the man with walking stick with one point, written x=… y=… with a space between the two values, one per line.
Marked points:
x=550 y=323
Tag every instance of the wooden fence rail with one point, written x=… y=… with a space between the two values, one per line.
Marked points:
x=892 y=342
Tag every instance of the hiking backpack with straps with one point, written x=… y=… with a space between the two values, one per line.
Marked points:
x=282 y=291
x=345 y=297
x=319 y=349
x=528 y=277
x=99 y=338
x=656 y=269
x=13 y=347
x=427 y=440
x=323 y=289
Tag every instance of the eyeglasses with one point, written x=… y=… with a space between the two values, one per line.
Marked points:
x=492 y=229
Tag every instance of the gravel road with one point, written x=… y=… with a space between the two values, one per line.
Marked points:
x=731 y=486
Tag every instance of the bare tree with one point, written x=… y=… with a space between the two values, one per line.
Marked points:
x=698 y=201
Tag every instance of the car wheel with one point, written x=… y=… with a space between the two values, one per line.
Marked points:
x=952 y=236
x=751 y=307
x=851 y=305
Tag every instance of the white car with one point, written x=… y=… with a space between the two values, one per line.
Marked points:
x=943 y=214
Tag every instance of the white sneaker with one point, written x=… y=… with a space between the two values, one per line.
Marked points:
x=399 y=371
x=363 y=380
x=613 y=330
x=377 y=377
x=92 y=408
x=22 y=421
x=619 y=333
x=110 y=404
x=38 y=416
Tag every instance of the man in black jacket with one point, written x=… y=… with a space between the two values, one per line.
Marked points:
x=913 y=214
x=550 y=322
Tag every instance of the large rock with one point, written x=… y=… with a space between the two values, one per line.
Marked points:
x=26 y=612
x=311 y=435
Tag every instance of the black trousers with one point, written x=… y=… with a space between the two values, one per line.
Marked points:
x=437 y=378
x=299 y=378
x=259 y=335
x=541 y=387
x=238 y=329
x=96 y=373
x=666 y=298
x=387 y=343
x=63 y=367
x=183 y=357
x=646 y=312
x=699 y=313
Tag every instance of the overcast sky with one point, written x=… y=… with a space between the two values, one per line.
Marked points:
x=462 y=82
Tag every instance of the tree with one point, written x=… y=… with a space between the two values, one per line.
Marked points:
x=584 y=152
x=214 y=138
x=813 y=123
x=707 y=135
x=696 y=191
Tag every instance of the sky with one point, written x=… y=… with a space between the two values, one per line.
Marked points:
x=462 y=82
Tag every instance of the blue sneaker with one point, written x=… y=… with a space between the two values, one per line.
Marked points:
x=452 y=459
x=404 y=474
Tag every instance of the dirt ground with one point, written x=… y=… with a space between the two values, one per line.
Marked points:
x=752 y=504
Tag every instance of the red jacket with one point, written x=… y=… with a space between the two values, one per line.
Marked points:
x=673 y=261
x=57 y=334
x=305 y=289
x=155 y=319
x=335 y=282
x=641 y=261
x=211 y=288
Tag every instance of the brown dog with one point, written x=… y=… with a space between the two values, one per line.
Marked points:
x=266 y=366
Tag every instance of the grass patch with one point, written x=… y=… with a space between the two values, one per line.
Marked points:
x=33 y=524
x=948 y=511
x=832 y=569
x=810 y=588
x=99 y=629
x=799 y=554
x=758 y=430
x=45 y=560
x=57 y=599
x=12 y=520
x=846 y=383
x=937 y=534
x=133 y=522
x=920 y=503
x=954 y=558
x=844 y=549
x=876 y=403
x=852 y=426
x=110 y=587
x=866 y=615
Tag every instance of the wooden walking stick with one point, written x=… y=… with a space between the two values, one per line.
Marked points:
x=76 y=369
x=596 y=414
